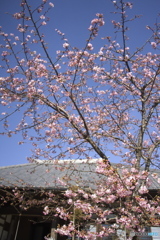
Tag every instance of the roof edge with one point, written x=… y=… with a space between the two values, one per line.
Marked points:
x=38 y=161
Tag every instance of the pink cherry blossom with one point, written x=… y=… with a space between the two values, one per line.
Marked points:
x=65 y=45
x=46 y=210
x=51 y=4
x=89 y=46
x=43 y=23
x=153 y=44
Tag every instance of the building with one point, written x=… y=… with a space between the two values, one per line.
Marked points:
x=34 y=179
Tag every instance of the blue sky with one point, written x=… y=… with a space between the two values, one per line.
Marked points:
x=73 y=17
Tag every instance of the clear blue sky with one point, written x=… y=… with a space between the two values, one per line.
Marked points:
x=73 y=18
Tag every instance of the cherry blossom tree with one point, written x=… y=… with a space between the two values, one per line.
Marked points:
x=86 y=104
